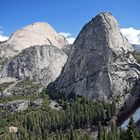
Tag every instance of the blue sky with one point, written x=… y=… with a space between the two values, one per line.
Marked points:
x=65 y=15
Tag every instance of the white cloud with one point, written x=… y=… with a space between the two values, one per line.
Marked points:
x=65 y=34
x=68 y=36
x=133 y=35
x=3 y=37
x=71 y=40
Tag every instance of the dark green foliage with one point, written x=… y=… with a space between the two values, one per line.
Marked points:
x=28 y=84
x=132 y=132
x=69 y=123
x=25 y=88
x=114 y=133
x=18 y=97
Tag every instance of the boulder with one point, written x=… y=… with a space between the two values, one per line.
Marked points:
x=37 y=103
x=13 y=129
x=16 y=105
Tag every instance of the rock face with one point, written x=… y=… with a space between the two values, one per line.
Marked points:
x=40 y=33
x=42 y=64
x=55 y=105
x=13 y=129
x=100 y=64
x=36 y=52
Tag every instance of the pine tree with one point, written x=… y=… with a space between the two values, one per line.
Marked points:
x=57 y=135
x=123 y=134
x=132 y=131
x=100 y=132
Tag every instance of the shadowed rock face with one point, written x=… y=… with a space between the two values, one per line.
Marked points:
x=99 y=64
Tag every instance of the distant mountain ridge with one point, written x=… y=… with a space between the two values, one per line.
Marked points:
x=136 y=47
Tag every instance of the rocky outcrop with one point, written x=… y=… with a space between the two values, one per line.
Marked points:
x=17 y=105
x=37 y=103
x=100 y=65
x=13 y=129
x=20 y=105
x=131 y=105
x=55 y=105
